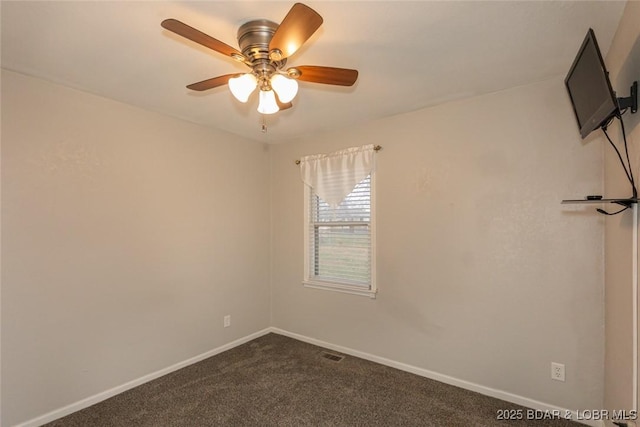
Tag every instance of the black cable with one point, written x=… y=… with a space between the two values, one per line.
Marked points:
x=628 y=172
x=626 y=149
x=606 y=125
x=604 y=129
x=603 y=212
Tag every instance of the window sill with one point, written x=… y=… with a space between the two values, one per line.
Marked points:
x=346 y=289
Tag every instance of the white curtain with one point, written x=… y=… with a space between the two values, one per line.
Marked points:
x=333 y=176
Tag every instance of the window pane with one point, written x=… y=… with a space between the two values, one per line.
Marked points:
x=344 y=253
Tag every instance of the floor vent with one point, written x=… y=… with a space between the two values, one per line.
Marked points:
x=333 y=357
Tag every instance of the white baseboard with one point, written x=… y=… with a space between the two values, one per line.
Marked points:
x=92 y=400
x=488 y=391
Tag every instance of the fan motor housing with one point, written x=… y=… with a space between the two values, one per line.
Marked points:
x=253 y=39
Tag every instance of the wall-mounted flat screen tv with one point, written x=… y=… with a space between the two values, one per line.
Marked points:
x=594 y=101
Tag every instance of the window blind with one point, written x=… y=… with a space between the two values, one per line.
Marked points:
x=340 y=238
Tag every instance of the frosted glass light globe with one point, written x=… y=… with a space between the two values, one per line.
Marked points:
x=286 y=88
x=241 y=87
x=268 y=104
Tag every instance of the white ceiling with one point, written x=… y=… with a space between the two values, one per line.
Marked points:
x=410 y=55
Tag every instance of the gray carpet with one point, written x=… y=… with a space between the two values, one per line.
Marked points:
x=278 y=381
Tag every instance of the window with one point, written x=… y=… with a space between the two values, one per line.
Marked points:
x=339 y=241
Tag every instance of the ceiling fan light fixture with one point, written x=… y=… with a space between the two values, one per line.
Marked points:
x=268 y=104
x=286 y=88
x=243 y=86
x=265 y=47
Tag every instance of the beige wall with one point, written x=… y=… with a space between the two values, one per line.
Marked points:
x=482 y=274
x=623 y=63
x=126 y=237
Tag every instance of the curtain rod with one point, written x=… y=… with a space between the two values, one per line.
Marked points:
x=376 y=148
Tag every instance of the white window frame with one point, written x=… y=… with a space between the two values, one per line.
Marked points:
x=309 y=281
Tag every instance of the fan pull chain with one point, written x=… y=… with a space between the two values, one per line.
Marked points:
x=264 y=124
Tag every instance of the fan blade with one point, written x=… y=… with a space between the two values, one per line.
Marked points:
x=326 y=75
x=296 y=28
x=211 y=83
x=199 y=37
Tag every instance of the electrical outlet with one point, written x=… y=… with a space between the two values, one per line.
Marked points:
x=227 y=323
x=557 y=371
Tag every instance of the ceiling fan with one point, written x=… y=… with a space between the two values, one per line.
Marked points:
x=265 y=47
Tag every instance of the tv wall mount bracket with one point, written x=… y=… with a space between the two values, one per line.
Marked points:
x=631 y=101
